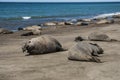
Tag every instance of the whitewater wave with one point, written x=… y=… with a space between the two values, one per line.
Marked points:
x=106 y=15
x=65 y=17
x=26 y=17
x=38 y=17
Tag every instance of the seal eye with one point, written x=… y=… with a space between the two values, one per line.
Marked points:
x=29 y=42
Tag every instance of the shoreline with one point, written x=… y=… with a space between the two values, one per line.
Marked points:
x=15 y=23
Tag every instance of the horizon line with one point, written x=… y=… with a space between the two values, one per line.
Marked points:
x=59 y=2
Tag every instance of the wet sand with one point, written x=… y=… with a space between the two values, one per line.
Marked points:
x=14 y=65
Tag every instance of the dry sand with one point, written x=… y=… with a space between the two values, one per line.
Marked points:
x=14 y=65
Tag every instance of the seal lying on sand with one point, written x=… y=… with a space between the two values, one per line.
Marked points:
x=96 y=36
x=41 y=45
x=30 y=28
x=5 y=31
x=33 y=32
x=84 y=51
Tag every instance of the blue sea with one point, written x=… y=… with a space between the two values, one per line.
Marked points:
x=14 y=15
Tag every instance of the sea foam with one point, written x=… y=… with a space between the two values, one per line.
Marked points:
x=26 y=17
x=106 y=15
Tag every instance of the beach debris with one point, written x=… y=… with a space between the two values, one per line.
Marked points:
x=84 y=51
x=5 y=31
x=41 y=45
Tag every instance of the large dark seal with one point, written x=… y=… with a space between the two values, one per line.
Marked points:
x=41 y=45
x=84 y=51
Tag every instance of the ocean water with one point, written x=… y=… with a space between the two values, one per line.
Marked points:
x=14 y=15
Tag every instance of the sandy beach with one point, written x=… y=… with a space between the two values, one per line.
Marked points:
x=14 y=65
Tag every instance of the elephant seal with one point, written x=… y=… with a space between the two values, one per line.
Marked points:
x=97 y=36
x=30 y=28
x=5 y=31
x=84 y=51
x=41 y=45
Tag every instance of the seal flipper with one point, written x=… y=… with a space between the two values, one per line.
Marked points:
x=95 y=59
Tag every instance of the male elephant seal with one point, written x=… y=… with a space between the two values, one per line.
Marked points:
x=84 y=51
x=41 y=45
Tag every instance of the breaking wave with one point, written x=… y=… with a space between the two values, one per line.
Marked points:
x=107 y=15
x=38 y=17
x=74 y=16
x=26 y=17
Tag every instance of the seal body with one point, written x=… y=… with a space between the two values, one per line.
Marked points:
x=41 y=45
x=97 y=36
x=85 y=51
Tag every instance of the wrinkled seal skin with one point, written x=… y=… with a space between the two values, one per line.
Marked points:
x=41 y=45
x=84 y=51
